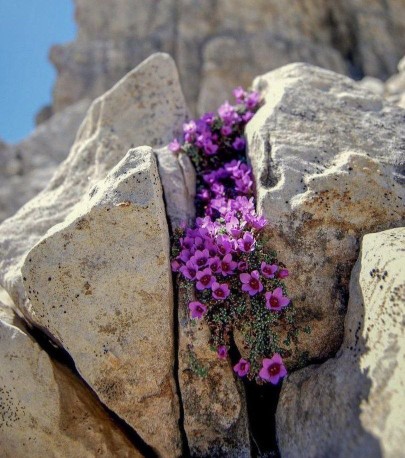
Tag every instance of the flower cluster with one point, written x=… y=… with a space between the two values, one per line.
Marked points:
x=238 y=282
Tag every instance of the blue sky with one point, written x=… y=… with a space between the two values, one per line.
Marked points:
x=27 y=30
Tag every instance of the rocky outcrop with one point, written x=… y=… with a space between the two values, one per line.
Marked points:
x=108 y=263
x=395 y=86
x=44 y=409
x=215 y=414
x=146 y=107
x=328 y=161
x=210 y=40
x=26 y=168
x=352 y=405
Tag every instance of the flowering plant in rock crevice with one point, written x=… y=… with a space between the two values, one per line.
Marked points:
x=238 y=281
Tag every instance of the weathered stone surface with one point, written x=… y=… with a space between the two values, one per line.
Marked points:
x=145 y=107
x=328 y=158
x=215 y=415
x=178 y=180
x=26 y=168
x=352 y=405
x=100 y=284
x=395 y=86
x=45 y=410
x=209 y=40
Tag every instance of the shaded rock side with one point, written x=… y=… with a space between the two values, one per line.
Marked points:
x=209 y=40
x=352 y=405
x=145 y=107
x=100 y=284
x=179 y=183
x=44 y=409
x=27 y=167
x=215 y=415
x=328 y=159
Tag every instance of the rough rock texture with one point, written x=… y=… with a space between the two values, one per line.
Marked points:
x=328 y=158
x=178 y=180
x=26 y=168
x=215 y=415
x=44 y=409
x=210 y=39
x=395 y=86
x=352 y=405
x=100 y=284
x=145 y=107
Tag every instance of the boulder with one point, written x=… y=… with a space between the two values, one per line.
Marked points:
x=100 y=284
x=145 y=107
x=352 y=405
x=214 y=404
x=179 y=185
x=210 y=40
x=45 y=410
x=26 y=167
x=395 y=86
x=328 y=159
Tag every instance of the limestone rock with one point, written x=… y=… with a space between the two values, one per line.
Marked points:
x=100 y=284
x=395 y=86
x=209 y=40
x=328 y=158
x=215 y=415
x=26 y=168
x=352 y=405
x=179 y=181
x=145 y=107
x=45 y=410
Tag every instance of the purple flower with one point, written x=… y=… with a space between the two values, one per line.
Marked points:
x=268 y=270
x=252 y=100
x=175 y=265
x=239 y=94
x=215 y=264
x=205 y=279
x=239 y=144
x=251 y=283
x=224 y=244
x=227 y=113
x=247 y=242
x=189 y=270
x=228 y=265
x=200 y=258
x=282 y=273
x=210 y=148
x=226 y=131
x=242 y=368
x=222 y=352
x=220 y=291
x=197 y=310
x=185 y=255
x=174 y=146
x=276 y=300
x=190 y=127
x=273 y=369
x=242 y=266
x=257 y=222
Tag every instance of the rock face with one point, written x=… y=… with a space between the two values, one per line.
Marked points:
x=146 y=107
x=210 y=39
x=395 y=86
x=215 y=415
x=352 y=405
x=178 y=180
x=45 y=410
x=25 y=168
x=100 y=284
x=328 y=158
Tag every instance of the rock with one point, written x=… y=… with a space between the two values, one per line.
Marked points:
x=374 y=85
x=100 y=284
x=145 y=107
x=45 y=410
x=210 y=40
x=352 y=405
x=28 y=166
x=328 y=158
x=179 y=183
x=395 y=86
x=215 y=415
